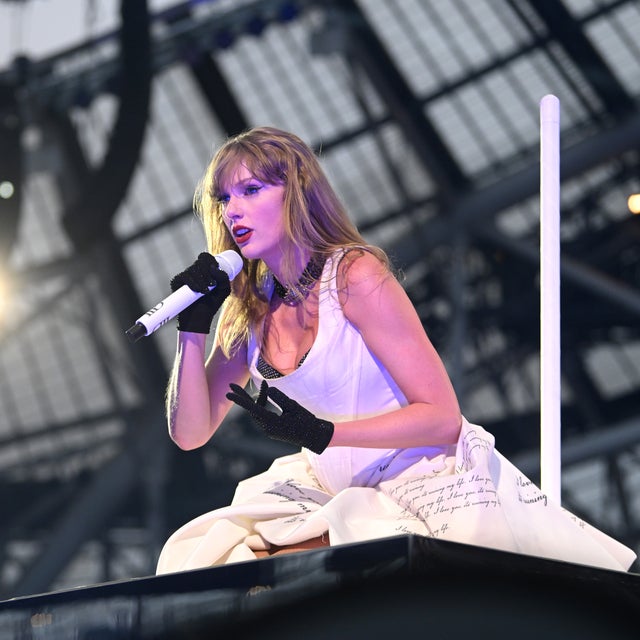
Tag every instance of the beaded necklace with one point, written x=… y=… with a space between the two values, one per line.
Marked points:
x=294 y=295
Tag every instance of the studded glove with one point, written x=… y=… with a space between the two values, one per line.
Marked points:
x=201 y=275
x=295 y=424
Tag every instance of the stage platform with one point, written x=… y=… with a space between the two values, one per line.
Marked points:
x=394 y=587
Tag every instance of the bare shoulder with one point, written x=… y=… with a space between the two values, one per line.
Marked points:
x=361 y=272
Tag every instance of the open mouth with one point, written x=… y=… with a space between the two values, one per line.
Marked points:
x=241 y=234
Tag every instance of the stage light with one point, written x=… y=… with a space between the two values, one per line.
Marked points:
x=6 y=189
x=634 y=203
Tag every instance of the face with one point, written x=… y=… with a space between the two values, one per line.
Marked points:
x=254 y=214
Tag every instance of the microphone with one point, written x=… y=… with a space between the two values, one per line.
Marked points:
x=229 y=261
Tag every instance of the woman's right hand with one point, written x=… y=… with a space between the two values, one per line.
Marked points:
x=199 y=277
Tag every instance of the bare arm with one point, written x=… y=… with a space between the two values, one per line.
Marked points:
x=377 y=305
x=196 y=402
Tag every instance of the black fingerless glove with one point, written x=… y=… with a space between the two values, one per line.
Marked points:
x=295 y=424
x=199 y=277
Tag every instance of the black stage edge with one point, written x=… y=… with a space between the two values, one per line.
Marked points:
x=377 y=589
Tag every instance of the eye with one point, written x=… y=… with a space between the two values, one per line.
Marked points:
x=252 y=189
x=221 y=198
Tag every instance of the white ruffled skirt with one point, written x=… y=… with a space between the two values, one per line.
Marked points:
x=466 y=493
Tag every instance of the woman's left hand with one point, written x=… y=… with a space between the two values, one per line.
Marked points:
x=295 y=424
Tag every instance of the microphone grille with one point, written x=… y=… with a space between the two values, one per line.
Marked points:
x=230 y=262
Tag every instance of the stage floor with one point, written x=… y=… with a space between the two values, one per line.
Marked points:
x=401 y=585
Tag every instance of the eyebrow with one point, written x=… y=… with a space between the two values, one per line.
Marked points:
x=245 y=181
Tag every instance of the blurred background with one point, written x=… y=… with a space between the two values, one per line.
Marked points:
x=426 y=116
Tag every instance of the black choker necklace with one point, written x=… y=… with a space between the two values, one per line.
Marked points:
x=300 y=291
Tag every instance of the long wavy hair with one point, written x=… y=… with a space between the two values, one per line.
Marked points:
x=315 y=220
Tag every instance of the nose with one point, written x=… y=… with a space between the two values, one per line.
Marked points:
x=232 y=210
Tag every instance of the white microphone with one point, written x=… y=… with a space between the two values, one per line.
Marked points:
x=229 y=261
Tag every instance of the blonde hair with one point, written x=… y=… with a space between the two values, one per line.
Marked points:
x=315 y=220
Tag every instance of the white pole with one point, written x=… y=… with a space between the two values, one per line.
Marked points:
x=550 y=380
